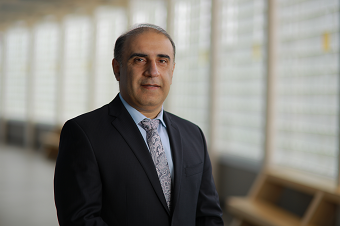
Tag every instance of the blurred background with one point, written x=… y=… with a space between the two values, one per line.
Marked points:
x=261 y=78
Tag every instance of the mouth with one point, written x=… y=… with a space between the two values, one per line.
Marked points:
x=150 y=86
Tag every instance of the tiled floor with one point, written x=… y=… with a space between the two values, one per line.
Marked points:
x=26 y=188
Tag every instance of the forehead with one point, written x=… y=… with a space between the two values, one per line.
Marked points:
x=149 y=42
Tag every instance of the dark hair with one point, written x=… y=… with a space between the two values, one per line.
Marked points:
x=140 y=28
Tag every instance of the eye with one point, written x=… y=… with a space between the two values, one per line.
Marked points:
x=138 y=59
x=163 y=61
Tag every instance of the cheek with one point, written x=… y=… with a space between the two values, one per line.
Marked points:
x=131 y=79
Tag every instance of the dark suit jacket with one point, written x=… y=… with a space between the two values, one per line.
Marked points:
x=105 y=175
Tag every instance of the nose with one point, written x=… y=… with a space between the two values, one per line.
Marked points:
x=152 y=69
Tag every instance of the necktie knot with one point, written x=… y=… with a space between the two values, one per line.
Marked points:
x=149 y=124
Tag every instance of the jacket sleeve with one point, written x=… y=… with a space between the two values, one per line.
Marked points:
x=208 y=212
x=77 y=183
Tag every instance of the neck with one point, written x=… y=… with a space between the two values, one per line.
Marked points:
x=150 y=114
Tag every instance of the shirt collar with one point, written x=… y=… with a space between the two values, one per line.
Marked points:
x=137 y=116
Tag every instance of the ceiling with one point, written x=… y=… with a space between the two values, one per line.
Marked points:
x=12 y=11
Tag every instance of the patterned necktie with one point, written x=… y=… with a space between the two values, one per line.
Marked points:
x=158 y=156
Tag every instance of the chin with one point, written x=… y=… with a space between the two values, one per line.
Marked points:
x=151 y=102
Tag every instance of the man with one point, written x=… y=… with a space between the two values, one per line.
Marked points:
x=130 y=162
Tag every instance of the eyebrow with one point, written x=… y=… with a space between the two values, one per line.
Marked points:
x=145 y=55
x=137 y=54
x=164 y=56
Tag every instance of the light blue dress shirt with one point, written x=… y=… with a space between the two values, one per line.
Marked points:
x=137 y=117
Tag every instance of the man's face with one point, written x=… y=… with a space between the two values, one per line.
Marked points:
x=145 y=74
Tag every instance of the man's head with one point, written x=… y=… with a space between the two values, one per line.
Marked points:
x=144 y=65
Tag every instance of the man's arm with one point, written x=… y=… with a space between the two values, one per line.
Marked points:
x=208 y=211
x=77 y=183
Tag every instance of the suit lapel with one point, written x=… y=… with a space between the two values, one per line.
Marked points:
x=124 y=123
x=177 y=156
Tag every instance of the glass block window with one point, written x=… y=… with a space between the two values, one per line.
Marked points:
x=17 y=40
x=77 y=65
x=308 y=86
x=45 y=68
x=110 y=24
x=2 y=76
x=148 y=11
x=241 y=79
x=188 y=97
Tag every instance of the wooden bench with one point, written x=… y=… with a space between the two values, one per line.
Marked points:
x=259 y=208
x=50 y=143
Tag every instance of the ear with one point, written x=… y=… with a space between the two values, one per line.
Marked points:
x=172 y=72
x=116 y=69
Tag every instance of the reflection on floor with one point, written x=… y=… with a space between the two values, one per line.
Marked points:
x=26 y=188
